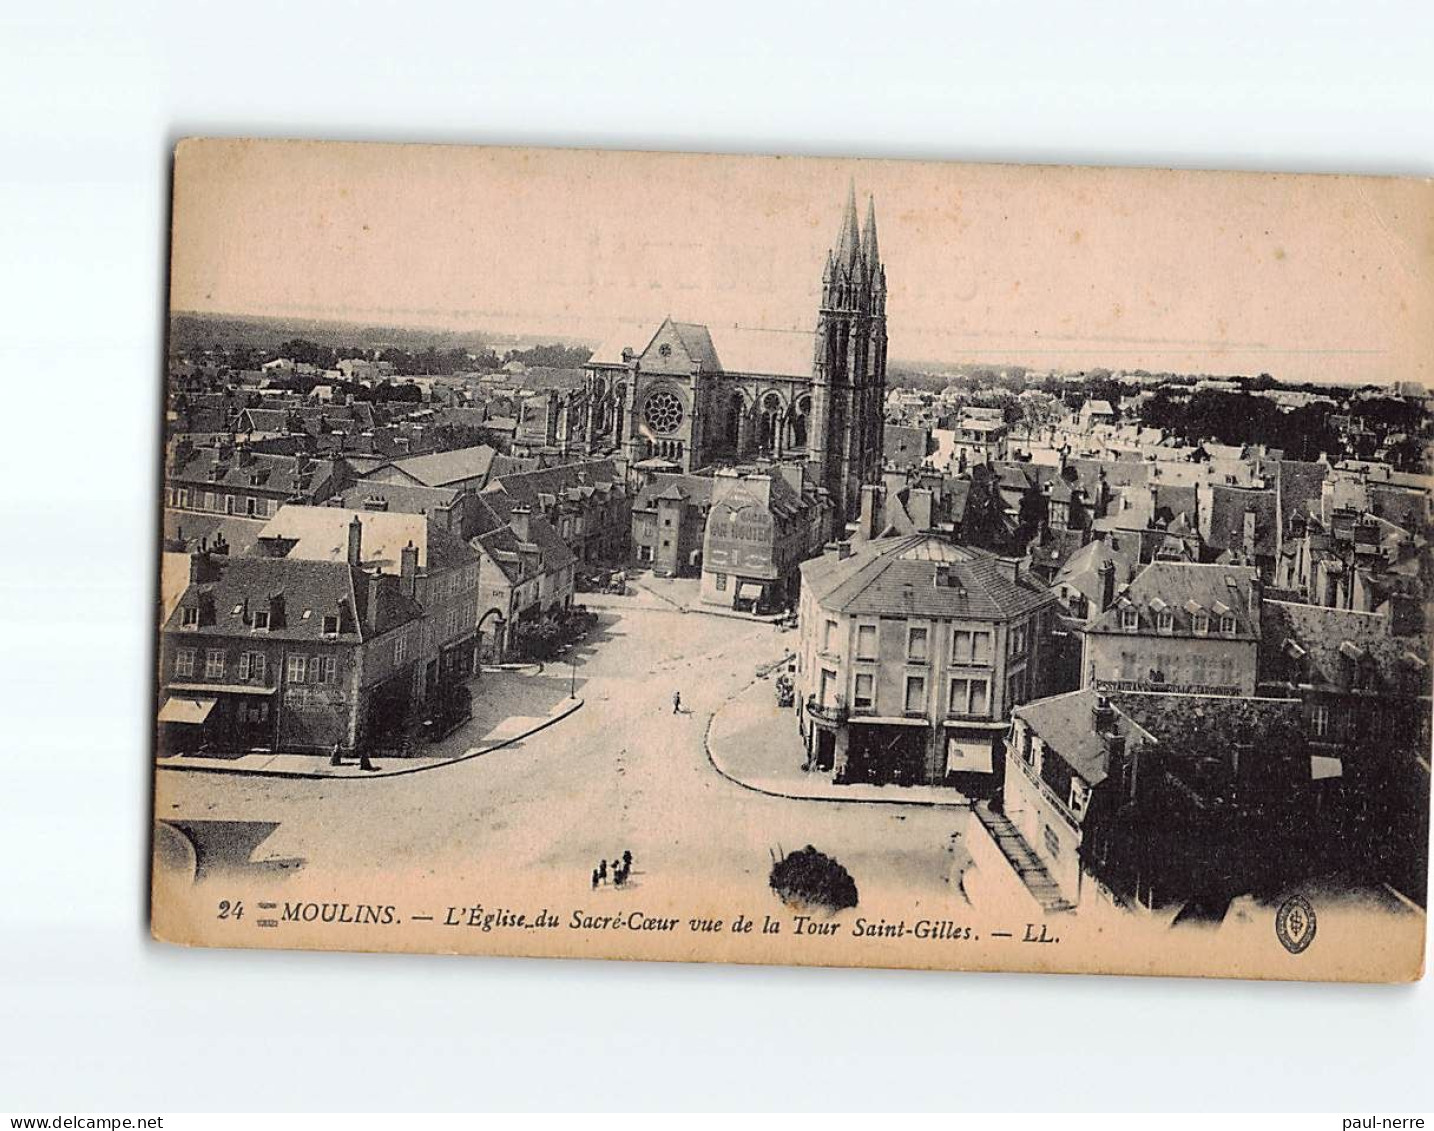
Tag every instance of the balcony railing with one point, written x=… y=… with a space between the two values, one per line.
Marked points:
x=835 y=713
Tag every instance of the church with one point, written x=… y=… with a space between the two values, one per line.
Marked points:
x=690 y=398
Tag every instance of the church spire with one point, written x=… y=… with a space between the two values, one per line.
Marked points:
x=868 y=236
x=849 y=242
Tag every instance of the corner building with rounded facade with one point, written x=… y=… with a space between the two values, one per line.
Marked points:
x=912 y=654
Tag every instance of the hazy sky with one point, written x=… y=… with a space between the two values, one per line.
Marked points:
x=1308 y=278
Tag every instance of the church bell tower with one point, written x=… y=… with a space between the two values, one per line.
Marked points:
x=849 y=365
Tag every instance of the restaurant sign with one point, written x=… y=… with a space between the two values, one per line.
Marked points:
x=1167 y=688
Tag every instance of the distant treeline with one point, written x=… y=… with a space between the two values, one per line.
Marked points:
x=248 y=342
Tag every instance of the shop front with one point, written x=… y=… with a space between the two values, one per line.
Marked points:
x=972 y=756
x=886 y=751
x=202 y=717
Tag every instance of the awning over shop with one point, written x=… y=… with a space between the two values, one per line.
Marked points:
x=749 y=592
x=178 y=710
x=968 y=755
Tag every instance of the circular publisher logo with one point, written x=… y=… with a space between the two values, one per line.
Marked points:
x=1295 y=924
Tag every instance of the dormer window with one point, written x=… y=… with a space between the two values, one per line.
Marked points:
x=1227 y=624
x=1165 y=621
x=1201 y=621
x=331 y=625
x=261 y=621
x=1129 y=619
x=1079 y=798
x=189 y=617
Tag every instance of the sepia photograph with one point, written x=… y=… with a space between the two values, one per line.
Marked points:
x=787 y=560
x=766 y=558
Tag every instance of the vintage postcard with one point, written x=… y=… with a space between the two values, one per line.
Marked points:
x=789 y=560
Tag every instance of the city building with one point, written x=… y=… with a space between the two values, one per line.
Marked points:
x=526 y=570
x=587 y=502
x=905 y=446
x=761 y=525
x=979 y=437
x=264 y=653
x=911 y=655
x=462 y=467
x=437 y=569
x=1177 y=627
x=233 y=479
x=669 y=523
x=1145 y=800
x=1364 y=684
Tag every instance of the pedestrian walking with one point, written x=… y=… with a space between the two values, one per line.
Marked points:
x=676 y=702
x=618 y=877
x=626 y=860
x=365 y=764
x=602 y=871
x=335 y=759
x=595 y=879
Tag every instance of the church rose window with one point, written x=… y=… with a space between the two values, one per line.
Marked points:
x=663 y=412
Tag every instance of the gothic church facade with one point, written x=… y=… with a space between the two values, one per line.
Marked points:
x=691 y=397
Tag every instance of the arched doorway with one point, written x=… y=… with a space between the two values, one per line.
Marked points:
x=492 y=649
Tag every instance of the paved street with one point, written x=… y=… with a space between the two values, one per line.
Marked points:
x=622 y=773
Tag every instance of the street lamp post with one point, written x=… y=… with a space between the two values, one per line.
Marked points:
x=573 y=681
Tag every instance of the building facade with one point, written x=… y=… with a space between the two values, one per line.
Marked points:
x=587 y=502
x=1152 y=800
x=913 y=652
x=760 y=527
x=525 y=570
x=299 y=656
x=434 y=567
x=1178 y=627
x=233 y=479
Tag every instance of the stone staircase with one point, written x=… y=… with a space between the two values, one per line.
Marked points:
x=1026 y=863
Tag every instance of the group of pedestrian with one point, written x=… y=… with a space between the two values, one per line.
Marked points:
x=620 y=870
x=336 y=758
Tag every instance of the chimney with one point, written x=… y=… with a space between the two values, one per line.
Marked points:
x=1011 y=567
x=1106 y=573
x=355 y=551
x=918 y=503
x=375 y=592
x=843 y=550
x=1102 y=715
x=408 y=570
x=1249 y=535
x=1120 y=764
x=519 y=519
x=869 y=508
x=199 y=567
